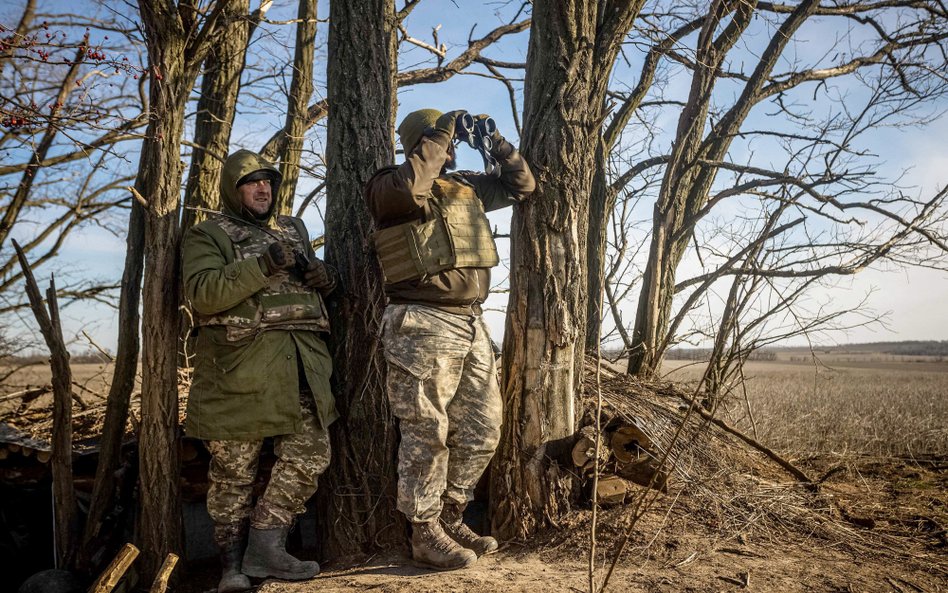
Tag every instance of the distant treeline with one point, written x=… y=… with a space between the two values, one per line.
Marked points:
x=705 y=353
x=932 y=348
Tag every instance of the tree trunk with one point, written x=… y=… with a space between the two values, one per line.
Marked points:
x=572 y=48
x=176 y=48
x=123 y=382
x=360 y=510
x=301 y=88
x=217 y=105
x=599 y=212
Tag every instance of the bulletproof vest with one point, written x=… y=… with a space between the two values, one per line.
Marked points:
x=454 y=234
x=285 y=303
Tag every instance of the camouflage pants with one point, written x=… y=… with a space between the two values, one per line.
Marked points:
x=442 y=387
x=301 y=457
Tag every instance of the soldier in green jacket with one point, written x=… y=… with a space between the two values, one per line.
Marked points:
x=261 y=369
x=436 y=249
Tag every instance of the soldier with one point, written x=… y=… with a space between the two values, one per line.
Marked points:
x=435 y=247
x=261 y=369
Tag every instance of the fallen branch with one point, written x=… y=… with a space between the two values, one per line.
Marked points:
x=116 y=570
x=791 y=469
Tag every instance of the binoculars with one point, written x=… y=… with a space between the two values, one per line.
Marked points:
x=477 y=134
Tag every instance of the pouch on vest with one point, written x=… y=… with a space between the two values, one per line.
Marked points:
x=454 y=234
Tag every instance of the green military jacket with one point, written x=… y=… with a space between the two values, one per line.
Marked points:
x=245 y=384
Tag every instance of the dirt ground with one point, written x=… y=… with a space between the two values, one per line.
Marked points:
x=890 y=515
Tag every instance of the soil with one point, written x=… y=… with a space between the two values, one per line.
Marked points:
x=887 y=519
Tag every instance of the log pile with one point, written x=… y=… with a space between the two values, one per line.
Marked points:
x=643 y=442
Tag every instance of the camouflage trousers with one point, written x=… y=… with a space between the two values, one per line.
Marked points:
x=442 y=386
x=301 y=457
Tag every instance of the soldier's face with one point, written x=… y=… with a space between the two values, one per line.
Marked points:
x=255 y=196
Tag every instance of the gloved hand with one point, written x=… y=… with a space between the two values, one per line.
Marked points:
x=446 y=122
x=319 y=276
x=279 y=256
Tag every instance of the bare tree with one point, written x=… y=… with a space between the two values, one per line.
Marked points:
x=216 y=109
x=178 y=37
x=897 y=65
x=362 y=53
x=573 y=46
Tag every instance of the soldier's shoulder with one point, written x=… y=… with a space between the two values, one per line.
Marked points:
x=462 y=177
x=386 y=170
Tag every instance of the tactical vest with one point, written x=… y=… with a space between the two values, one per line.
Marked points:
x=454 y=233
x=285 y=303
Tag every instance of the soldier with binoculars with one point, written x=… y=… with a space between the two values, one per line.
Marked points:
x=436 y=249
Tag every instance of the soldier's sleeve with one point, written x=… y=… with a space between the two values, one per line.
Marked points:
x=211 y=284
x=514 y=184
x=398 y=193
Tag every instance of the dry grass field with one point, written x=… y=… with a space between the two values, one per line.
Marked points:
x=843 y=405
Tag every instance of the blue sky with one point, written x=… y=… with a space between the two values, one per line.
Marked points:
x=912 y=298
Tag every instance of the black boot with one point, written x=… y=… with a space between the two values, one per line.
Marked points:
x=232 y=580
x=266 y=557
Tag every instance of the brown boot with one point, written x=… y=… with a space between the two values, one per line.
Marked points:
x=431 y=547
x=452 y=519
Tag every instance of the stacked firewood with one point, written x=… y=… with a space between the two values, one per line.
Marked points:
x=628 y=460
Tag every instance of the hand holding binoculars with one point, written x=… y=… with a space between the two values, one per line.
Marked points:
x=478 y=133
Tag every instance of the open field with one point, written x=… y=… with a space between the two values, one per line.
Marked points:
x=856 y=406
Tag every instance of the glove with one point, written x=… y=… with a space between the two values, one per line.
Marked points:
x=279 y=256
x=495 y=134
x=319 y=276
x=446 y=122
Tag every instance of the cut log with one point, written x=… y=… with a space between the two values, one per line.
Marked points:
x=612 y=490
x=584 y=451
x=115 y=570
x=628 y=443
x=43 y=456
x=644 y=473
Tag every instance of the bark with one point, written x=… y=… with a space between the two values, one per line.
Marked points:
x=360 y=515
x=216 y=108
x=599 y=211
x=572 y=49
x=177 y=46
x=301 y=89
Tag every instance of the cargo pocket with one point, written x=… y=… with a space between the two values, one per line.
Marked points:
x=409 y=365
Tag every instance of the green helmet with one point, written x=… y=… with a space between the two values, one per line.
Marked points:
x=414 y=125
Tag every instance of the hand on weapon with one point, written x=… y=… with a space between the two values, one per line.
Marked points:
x=278 y=256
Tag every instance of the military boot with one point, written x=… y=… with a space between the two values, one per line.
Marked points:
x=452 y=519
x=266 y=556
x=231 y=538
x=431 y=547
x=232 y=580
